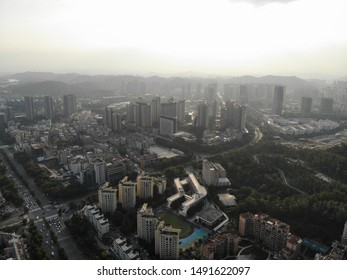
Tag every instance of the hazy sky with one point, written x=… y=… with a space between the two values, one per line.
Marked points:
x=307 y=38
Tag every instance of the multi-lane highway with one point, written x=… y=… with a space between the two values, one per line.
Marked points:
x=39 y=213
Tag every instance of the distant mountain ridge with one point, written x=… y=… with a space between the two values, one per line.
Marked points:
x=46 y=83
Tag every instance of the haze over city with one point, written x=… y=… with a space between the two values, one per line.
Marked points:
x=228 y=37
x=173 y=130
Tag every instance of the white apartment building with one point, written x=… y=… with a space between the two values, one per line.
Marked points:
x=146 y=223
x=127 y=193
x=167 y=242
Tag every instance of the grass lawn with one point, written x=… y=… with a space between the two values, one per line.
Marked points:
x=177 y=222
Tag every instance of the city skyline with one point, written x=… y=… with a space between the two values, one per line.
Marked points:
x=230 y=37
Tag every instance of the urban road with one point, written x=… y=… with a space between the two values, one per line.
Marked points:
x=37 y=213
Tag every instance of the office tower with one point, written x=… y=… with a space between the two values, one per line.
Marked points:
x=169 y=109
x=168 y=126
x=107 y=198
x=167 y=241
x=277 y=104
x=49 y=108
x=202 y=116
x=100 y=171
x=146 y=223
x=233 y=115
x=344 y=234
x=127 y=193
x=70 y=105
x=306 y=105
x=156 y=110
x=326 y=105
x=145 y=186
x=180 y=107
x=29 y=107
x=132 y=113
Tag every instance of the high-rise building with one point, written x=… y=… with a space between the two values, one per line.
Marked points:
x=156 y=110
x=326 y=105
x=49 y=107
x=107 y=198
x=214 y=109
x=127 y=193
x=169 y=109
x=146 y=223
x=202 y=115
x=116 y=122
x=29 y=107
x=212 y=173
x=9 y=113
x=168 y=125
x=198 y=91
x=220 y=246
x=277 y=104
x=306 y=105
x=132 y=112
x=189 y=90
x=70 y=105
x=113 y=119
x=271 y=232
x=184 y=91
x=211 y=92
x=246 y=224
x=233 y=115
x=143 y=115
x=100 y=171
x=232 y=92
x=167 y=241
x=145 y=186
x=180 y=107
x=344 y=234
x=243 y=94
x=88 y=177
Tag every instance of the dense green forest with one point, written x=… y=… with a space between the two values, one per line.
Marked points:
x=258 y=186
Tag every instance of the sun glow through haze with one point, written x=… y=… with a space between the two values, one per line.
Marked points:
x=221 y=36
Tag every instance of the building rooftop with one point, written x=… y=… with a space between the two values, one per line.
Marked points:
x=227 y=199
x=210 y=215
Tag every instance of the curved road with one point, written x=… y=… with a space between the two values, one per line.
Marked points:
x=280 y=171
x=287 y=184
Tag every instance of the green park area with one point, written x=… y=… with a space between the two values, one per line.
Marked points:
x=177 y=222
